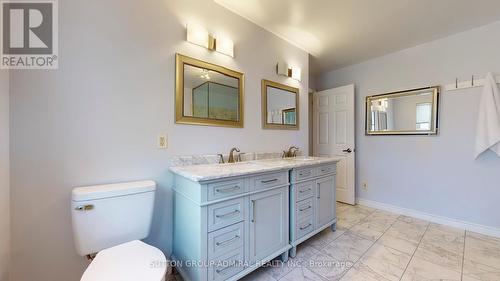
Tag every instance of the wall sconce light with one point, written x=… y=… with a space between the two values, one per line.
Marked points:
x=198 y=35
x=289 y=71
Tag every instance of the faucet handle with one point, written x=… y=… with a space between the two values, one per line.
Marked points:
x=221 y=158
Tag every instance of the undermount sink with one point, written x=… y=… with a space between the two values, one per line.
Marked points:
x=273 y=161
x=238 y=164
x=301 y=158
x=284 y=161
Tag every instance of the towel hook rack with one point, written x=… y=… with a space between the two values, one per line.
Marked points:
x=473 y=83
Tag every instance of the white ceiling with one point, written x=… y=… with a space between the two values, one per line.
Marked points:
x=338 y=33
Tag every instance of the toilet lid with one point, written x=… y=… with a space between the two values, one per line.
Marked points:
x=130 y=261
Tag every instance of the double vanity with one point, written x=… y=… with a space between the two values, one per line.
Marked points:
x=230 y=219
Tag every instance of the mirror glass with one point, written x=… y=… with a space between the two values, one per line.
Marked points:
x=280 y=106
x=208 y=94
x=405 y=112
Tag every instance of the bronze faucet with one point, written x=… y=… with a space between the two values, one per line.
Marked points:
x=221 y=158
x=231 y=155
x=292 y=152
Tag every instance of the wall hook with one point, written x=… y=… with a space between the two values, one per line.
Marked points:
x=472 y=81
x=456 y=83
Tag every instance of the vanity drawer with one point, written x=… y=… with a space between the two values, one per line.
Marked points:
x=225 y=213
x=304 y=173
x=304 y=208
x=325 y=170
x=304 y=190
x=304 y=226
x=225 y=240
x=270 y=180
x=224 y=189
x=226 y=266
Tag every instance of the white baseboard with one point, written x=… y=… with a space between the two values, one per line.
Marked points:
x=483 y=229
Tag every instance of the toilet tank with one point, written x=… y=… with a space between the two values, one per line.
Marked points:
x=104 y=216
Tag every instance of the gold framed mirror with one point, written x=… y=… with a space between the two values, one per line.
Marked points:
x=207 y=94
x=280 y=106
x=410 y=112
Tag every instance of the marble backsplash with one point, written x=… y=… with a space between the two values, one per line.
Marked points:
x=186 y=160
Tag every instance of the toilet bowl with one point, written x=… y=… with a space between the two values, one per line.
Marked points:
x=109 y=221
x=130 y=261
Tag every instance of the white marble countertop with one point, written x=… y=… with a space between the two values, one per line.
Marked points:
x=218 y=171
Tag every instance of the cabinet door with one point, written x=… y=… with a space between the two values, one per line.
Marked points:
x=325 y=200
x=268 y=222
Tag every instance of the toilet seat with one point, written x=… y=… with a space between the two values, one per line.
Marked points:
x=130 y=261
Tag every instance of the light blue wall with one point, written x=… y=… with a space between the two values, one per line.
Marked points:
x=437 y=174
x=4 y=176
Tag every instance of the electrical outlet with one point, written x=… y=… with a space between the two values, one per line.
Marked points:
x=162 y=142
x=364 y=186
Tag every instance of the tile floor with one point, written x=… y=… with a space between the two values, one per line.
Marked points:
x=371 y=244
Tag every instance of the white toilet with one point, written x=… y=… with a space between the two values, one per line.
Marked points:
x=110 y=220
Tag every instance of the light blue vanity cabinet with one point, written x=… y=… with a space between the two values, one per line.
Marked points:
x=312 y=202
x=225 y=228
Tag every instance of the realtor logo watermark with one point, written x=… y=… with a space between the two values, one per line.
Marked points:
x=29 y=35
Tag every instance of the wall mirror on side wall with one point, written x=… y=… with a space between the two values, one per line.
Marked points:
x=410 y=112
x=207 y=94
x=280 y=106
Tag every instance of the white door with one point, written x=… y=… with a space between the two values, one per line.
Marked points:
x=334 y=135
x=268 y=223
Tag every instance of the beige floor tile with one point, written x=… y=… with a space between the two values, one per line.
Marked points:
x=348 y=247
x=345 y=224
x=300 y=274
x=477 y=271
x=328 y=267
x=305 y=252
x=350 y=217
x=367 y=230
x=386 y=262
x=364 y=208
x=353 y=214
x=381 y=214
x=494 y=240
x=483 y=250
x=407 y=231
x=278 y=269
x=360 y=272
x=380 y=220
x=324 y=238
x=259 y=275
x=439 y=256
x=442 y=245
x=445 y=238
x=342 y=207
x=469 y=278
x=449 y=231
x=397 y=243
x=414 y=221
x=420 y=270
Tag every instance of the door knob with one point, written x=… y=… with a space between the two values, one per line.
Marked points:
x=347 y=150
